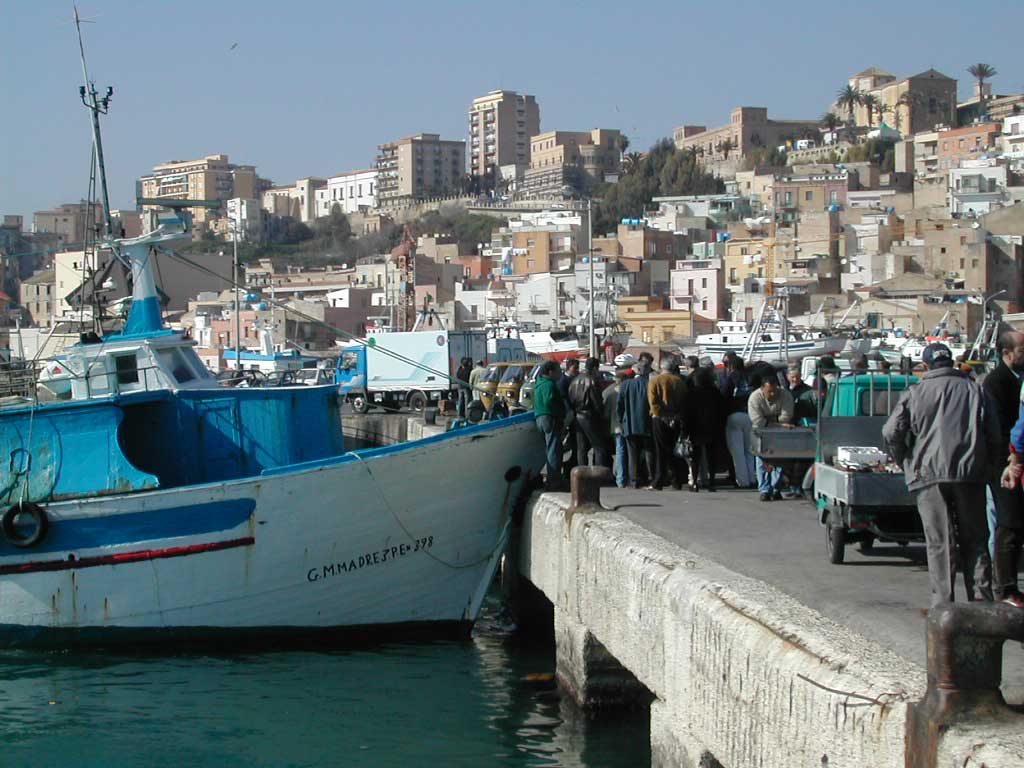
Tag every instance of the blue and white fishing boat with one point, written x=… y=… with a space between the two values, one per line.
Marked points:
x=154 y=503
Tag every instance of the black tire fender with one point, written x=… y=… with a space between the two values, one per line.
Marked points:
x=12 y=534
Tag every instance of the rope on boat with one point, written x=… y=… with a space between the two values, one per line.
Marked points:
x=498 y=546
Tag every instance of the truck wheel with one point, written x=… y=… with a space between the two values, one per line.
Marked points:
x=417 y=402
x=835 y=542
x=360 y=403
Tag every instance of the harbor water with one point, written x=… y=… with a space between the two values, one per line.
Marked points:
x=485 y=701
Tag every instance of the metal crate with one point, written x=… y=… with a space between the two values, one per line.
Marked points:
x=784 y=443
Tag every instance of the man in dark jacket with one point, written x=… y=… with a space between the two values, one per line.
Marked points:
x=587 y=404
x=1003 y=386
x=572 y=370
x=464 y=394
x=945 y=431
x=549 y=414
x=635 y=419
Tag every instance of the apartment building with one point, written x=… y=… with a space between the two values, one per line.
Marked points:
x=917 y=103
x=652 y=322
x=571 y=162
x=748 y=128
x=816 y=190
x=70 y=222
x=352 y=191
x=298 y=200
x=1013 y=140
x=244 y=220
x=419 y=167
x=212 y=177
x=977 y=187
x=698 y=285
x=500 y=126
x=37 y=296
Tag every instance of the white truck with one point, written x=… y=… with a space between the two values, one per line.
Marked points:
x=405 y=369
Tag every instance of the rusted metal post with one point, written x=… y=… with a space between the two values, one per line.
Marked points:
x=965 y=670
x=585 y=484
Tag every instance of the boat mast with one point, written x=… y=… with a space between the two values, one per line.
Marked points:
x=96 y=107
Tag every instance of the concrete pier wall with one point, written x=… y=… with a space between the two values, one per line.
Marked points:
x=374 y=429
x=741 y=674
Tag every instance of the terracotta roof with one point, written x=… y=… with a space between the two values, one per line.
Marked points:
x=874 y=72
x=930 y=74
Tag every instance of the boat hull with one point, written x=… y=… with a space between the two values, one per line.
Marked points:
x=770 y=351
x=368 y=539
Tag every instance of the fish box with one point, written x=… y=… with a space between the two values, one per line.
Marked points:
x=783 y=443
x=860 y=454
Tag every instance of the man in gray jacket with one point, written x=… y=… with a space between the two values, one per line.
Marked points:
x=945 y=432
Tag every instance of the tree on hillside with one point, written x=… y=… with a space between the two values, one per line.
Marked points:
x=830 y=121
x=631 y=161
x=664 y=170
x=908 y=100
x=870 y=102
x=622 y=144
x=848 y=98
x=981 y=73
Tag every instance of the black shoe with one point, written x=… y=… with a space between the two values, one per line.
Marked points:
x=766 y=497
x=776 y=496
x=694 y=489
x=710 y=489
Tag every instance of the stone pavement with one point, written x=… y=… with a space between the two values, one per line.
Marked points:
x=879 y=595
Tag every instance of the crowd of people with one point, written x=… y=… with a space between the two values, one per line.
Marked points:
x=680 y=426
x=951 y=433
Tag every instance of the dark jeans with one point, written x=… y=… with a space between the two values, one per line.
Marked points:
x=1006 y=560
x=666 y=433
x=464 y=397
x=569 y=439
x=702 y=465
x=640 y=448
x=591 y=433
x=552 y=431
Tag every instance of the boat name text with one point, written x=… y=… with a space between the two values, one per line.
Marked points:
x=370 y=558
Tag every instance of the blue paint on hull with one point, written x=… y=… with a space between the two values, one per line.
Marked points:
x=78 y=534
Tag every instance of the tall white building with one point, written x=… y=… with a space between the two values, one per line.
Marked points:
x=353 y=191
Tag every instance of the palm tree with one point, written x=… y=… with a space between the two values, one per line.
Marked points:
x=870 y=102
x=622 y=144
x=631 y=162
x=848 y=98
x=883 y=110
x=831 y=121
x=908 y=100
x=725 y=147
x=981 y=73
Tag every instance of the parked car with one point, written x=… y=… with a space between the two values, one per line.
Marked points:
x=314 y=376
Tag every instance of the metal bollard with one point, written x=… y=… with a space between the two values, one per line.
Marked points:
x=585 y=484
x=965 y=669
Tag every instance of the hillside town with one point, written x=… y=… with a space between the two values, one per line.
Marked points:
x=898 y=208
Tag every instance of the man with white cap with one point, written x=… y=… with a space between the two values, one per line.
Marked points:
x=945 y=432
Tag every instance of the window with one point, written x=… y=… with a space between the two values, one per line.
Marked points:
x=732 y=275
x=174 y=361
x=942 y=250
x=833 y=196
x=974 y=263
x=743 y=251
x=962 y=261
x=703 y=282
x=789 y=198
x=808 y=195
x=127 y=369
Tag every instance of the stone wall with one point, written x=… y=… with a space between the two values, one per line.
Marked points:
x=740 y=672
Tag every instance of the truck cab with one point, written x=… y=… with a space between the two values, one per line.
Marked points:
x=350 y=376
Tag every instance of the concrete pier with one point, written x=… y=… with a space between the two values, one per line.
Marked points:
x=754 y=650
x=377 y=428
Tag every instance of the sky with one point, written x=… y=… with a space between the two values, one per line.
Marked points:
x=312 y=87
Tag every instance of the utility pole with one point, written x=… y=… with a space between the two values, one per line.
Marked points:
x=590 y=250
x=238 y=302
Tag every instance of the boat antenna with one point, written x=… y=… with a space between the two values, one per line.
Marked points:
x=97 y=106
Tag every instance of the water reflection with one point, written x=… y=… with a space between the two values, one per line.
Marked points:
x=489 y=701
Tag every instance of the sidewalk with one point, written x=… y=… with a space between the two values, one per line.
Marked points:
x=879 y=595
